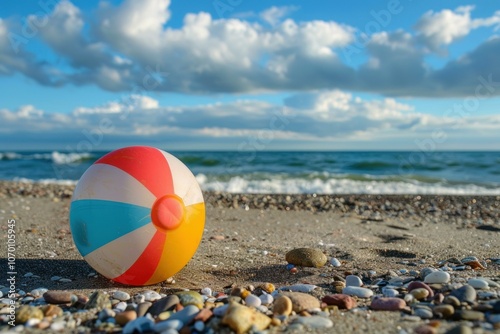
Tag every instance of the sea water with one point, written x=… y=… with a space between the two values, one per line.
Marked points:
x=294 y=172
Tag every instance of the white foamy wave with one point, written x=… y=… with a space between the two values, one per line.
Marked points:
x=67 y=158
x=239 y=184
x=9 y=156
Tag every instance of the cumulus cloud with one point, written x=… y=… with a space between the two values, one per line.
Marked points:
x=131 y=45
x=274 y=14
x=321 y=117
x=446 y=26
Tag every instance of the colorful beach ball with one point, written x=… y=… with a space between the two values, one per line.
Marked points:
x=137 y=215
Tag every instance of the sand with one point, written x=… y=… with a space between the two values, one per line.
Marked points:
x=255 y=243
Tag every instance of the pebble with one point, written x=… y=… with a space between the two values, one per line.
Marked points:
x=343 y=301
x=99 y=300
x=353 y=280
x=221 y=310
x=315 y=322
x=461 y=329
x=388 y=292
x=425 y=329
x=143 y=308
x=38 y=292
x=52 y=311
x=266 y=299
x=496 y=307
x=124 y=317
x=335 y=262
x=241 y=318
x=420 y=293
x=437 y=277
x=423 y=313
x=302 y=301
x=387 y=304
x=139 y=325
x=162 y=326
x=420 y=285
x=253 y=301
x=426 y=271
x=26 y=312
x=306 y=257
x=151 y=296
x=282 y=306
x=121 y=295
x=59 y=297
x=199 y=326
x=443 y=310
x=469 y=315
x=163 y=304
x=186 y=315
x=465 y=293
x=190 y=298
x=206 y=292
x=478 y=283
x=357 y=291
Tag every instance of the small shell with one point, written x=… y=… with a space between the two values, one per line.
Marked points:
x=473 y=262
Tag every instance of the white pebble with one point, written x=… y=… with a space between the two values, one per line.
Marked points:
x=388 y=292
x=353 y=280
x=151 y=296
x=206 y=292
x=65 y=280
x=38 y=292
x=357 y=291
x=478 y=283
x=121 y=306
x=437 y=277
x=334 y=262
x=121 y=295
x=57 y=326
x=32 y=322
x=139 y=298
x=253 y=301
x=55 y=278
x=28 y=274
x=266 y=299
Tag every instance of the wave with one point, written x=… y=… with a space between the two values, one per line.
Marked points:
x=55 y=157
x=238 y=184
x=46 y=181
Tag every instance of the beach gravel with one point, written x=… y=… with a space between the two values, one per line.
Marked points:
x=388 y=242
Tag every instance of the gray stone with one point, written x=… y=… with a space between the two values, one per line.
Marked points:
x=465 y=293
x=143 y=308
x=163 y=304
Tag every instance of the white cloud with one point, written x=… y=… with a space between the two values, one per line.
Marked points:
x=274 y=14
x=447 y=26
x=131 y=45
x=321 y=117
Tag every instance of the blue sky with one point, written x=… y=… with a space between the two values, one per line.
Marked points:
x=388 y=75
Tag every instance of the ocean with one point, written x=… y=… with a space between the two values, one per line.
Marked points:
x=416 y=172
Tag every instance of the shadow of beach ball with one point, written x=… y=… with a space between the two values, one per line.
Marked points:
x=137 y=215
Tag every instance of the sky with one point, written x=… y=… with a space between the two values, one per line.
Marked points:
x=250 y=75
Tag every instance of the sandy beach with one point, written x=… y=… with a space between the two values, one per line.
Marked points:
x=247 y=237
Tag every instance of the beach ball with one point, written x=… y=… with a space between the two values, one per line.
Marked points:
x=137 y=215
